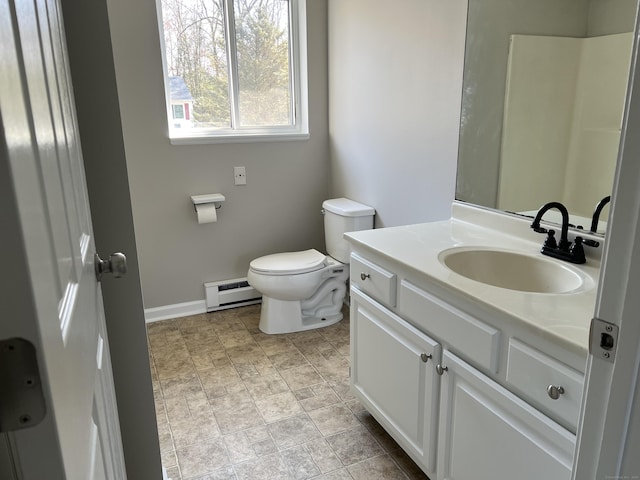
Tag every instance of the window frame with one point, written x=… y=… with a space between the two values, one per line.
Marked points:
x=299 y=130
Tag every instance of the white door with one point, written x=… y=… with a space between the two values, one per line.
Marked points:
x=61 y=313
x=487 y=433
x=406 y=405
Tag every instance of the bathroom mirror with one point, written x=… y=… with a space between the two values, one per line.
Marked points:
x=542 y=104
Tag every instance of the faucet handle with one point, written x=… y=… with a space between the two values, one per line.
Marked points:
x=577 y=251
x=550 y=241
x=591 y=243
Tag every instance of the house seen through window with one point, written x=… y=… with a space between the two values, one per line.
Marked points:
x=233 y=67
x=181 y=103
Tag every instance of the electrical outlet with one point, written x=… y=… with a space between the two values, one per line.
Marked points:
x=240 y=175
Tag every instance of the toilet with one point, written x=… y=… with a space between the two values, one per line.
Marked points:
x=305 y=290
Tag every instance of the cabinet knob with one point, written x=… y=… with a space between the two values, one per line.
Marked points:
x=554 y=391
x=364 y=276
x=440 y=369
x=425 y=357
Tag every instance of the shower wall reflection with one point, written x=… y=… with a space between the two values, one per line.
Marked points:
x=491 y=25
x=562 y=119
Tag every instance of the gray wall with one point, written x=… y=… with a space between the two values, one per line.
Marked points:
x=277 y=211
x=607 y=17
x=96 y=98
x=395 y=75
x=486 y=65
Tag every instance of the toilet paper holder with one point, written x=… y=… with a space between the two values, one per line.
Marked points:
x=216 y=198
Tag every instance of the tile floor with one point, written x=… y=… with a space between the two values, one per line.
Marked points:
x=235 y=403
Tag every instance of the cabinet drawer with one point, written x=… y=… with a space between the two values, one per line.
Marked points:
x=468 y=336
x=531 y=373
x=373 y=280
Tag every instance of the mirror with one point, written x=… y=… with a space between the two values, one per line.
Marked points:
x=542 y=103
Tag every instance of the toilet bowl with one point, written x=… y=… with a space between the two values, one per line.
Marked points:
x=306 y=289
x=298 y=298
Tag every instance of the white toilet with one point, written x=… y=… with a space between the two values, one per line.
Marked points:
x=305 y=290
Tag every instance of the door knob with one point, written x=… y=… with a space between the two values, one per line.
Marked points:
x=116 y=265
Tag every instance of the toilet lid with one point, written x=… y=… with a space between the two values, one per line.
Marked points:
x=289 y=262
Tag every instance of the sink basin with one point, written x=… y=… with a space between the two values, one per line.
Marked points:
x=512 y=270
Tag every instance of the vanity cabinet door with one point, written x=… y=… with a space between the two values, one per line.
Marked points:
x=487 y=433
x=393 y=375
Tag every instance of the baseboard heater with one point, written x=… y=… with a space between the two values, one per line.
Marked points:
x=230 y=294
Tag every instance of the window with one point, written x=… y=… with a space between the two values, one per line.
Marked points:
x=178 y=111
x=238 y=66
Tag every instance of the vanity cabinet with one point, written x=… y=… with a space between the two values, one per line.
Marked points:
x=486 y=432
x=465 y=397
x=393 y=374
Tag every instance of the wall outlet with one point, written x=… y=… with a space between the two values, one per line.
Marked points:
x=240 y=175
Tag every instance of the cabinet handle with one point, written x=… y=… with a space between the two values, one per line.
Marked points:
x=554 y=391
x=440 y=369
x=425 y=357
x=364 y=276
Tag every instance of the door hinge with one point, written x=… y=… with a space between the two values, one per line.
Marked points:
x=21 y=402
x=603 y=339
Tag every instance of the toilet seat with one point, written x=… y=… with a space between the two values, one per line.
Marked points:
x=289 y=263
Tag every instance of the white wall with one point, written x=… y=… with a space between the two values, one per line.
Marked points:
x=395 y=79
x=279 y=208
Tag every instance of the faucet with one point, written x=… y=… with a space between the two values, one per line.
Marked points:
x=597 y=212
x=564 y=250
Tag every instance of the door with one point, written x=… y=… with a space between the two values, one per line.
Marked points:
x=405 y=404
x=487 y=433
x=44 y=198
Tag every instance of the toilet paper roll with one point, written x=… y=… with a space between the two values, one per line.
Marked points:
x=206 y=213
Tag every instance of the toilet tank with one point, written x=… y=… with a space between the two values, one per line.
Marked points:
x=342 y=215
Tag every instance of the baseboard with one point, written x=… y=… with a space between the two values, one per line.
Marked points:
x=165 y=312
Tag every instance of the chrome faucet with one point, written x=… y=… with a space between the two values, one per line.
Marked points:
x=597 y=212
x=564 y=250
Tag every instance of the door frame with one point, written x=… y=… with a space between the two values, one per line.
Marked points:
x=105 y=163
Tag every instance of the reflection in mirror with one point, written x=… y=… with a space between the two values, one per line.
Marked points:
x=542 y=106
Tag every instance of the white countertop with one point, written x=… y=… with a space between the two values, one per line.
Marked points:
x=563 y=318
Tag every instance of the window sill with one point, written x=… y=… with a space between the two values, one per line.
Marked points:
x=205 y=139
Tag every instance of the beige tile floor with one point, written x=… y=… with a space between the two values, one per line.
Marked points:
x=235 y=403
